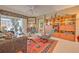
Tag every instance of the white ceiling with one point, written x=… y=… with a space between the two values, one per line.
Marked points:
x=34 y=10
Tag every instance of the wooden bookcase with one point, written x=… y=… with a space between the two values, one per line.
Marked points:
x=65 y=27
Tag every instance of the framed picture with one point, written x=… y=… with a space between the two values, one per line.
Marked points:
x=31 y=20
x=41 y=25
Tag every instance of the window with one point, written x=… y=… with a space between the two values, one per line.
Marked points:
x=6 y=24
x=19 y=26
x=12 y=24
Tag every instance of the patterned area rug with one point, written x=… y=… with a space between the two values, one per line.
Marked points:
x=41 y=47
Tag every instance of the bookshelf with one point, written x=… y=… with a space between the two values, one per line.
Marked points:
x=65 y=27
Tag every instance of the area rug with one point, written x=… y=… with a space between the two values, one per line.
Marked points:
x=41 y=47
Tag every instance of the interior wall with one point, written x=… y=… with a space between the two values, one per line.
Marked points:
x=72 y=10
